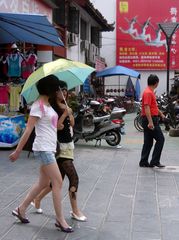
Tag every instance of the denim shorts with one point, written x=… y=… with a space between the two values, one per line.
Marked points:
x=45 y=158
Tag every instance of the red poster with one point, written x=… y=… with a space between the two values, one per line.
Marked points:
x=140 y=43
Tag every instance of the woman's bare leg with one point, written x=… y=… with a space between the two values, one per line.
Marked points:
x=54 y=175
x=41 y=195
x=34 y=191
x=74 y=204
x=47 y=173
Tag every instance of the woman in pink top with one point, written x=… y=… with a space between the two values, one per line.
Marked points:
x=45 y=120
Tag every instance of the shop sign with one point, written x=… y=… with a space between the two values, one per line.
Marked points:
x=25 y=6
x=99 y=64
x=140 y=43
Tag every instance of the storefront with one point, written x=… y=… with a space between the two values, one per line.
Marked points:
x=29 y=44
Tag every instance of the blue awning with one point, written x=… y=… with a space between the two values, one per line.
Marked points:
x=30 y=28
x=117 y=70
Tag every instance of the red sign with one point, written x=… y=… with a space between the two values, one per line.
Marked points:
x=140 y=43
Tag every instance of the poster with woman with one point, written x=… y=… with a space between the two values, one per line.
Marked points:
x=140 y=43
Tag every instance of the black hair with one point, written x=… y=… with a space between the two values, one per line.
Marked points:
x=48 y=85
x=55 y=106
x=152 y=79
x=53 y=98
x=63 y=84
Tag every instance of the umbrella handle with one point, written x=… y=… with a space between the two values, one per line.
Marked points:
x=63 y=98
x=64 y=101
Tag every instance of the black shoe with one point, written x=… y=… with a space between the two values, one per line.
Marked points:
x=144 y=165
x=17 y=214
x=157 y=165
x=63 y=229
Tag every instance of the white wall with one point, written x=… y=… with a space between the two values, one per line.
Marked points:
x=108 y=10
x=74 y=52
x=162 y=77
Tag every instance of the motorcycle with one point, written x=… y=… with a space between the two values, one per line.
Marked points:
x=167 y=107
x=108 y=127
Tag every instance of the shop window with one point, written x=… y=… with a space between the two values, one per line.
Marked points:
x=83 y=30
x=95 y=36
x=60 y=14
x=73 y=22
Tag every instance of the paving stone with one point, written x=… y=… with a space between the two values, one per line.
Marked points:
x=121 y=200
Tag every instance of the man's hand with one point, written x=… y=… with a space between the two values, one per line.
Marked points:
x=162 y=116
x=150 y=125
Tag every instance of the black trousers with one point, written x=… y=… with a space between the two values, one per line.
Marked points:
x=149 y=136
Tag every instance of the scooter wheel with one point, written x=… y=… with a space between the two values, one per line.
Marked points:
x=174 y=132
x=114 y=138
x=138 y=123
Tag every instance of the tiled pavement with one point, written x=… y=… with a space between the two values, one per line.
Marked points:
x=121 y=200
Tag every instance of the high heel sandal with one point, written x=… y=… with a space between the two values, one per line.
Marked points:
x=17 y=214
x=63 y=229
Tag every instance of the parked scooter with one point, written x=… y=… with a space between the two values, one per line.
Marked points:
x=89 y=127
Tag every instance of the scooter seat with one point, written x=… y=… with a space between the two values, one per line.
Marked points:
x=100 y=119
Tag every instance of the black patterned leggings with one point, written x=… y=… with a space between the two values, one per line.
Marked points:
x=67 y=167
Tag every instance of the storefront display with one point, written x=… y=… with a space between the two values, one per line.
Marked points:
x=11 y=129
x=21 y=36
x=19 y=62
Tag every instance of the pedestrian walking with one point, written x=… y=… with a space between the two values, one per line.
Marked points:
x=66 y=153
x=150 y=122
x=45 y=120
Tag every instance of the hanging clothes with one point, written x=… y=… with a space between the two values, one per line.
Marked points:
x=137 y=90
x=130 y=91
x=14 y=103
x=3 y=69
x=14 y=61
x=28 y=65
x=4 y=94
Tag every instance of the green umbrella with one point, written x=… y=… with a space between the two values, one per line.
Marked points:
x=72 y=72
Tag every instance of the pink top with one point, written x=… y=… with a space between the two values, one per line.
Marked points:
x=28 y=65
x=4 y=97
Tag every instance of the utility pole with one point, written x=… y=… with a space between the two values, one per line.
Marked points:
x=168 y=28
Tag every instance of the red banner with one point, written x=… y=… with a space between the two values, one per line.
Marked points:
x=140 y=43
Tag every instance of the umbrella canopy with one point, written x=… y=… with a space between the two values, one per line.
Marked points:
x=130 y=91
x=28 y=28
x=137 y=90
x=117 y=70
x=71 y=72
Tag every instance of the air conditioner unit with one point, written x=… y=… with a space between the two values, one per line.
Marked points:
x=96 y=51
x=84 y=45
x=72 y=39
x=87 y=45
